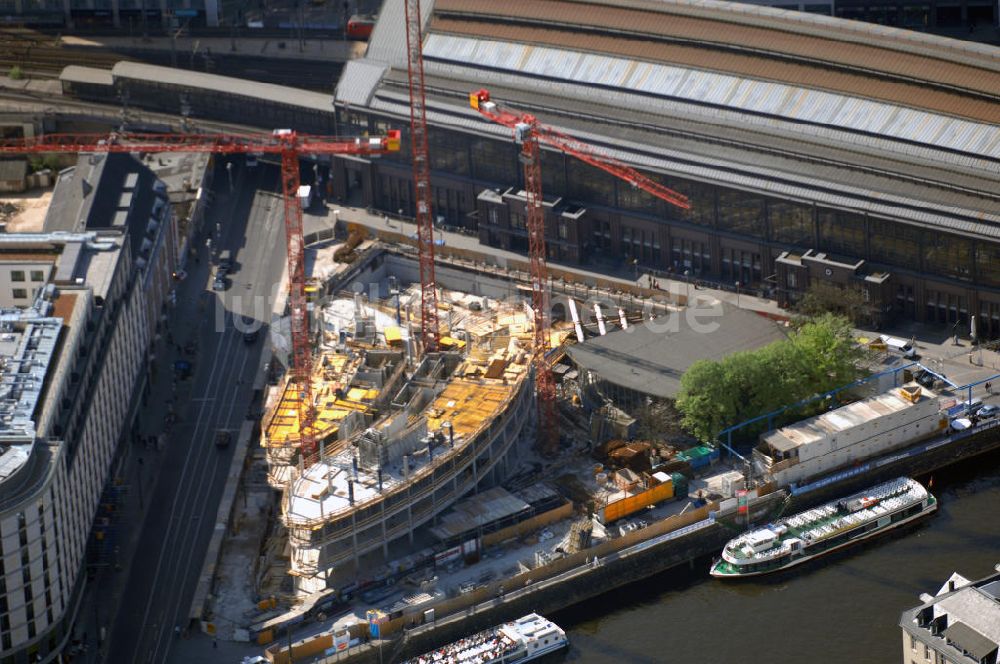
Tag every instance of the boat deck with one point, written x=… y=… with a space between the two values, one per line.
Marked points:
x=487 y=646
x=828 y=520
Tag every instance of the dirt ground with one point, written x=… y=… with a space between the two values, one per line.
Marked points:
x=25 y=213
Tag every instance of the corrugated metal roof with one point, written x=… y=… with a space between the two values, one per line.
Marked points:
x=763 y=30
x=358 y=81
x=677 y=119
x=388 y=39
x=668 y=81
x=856 y=195
x=278 y=94
x=745 y=63
x=79 y=74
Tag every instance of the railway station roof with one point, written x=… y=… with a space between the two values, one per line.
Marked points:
x=882 y=120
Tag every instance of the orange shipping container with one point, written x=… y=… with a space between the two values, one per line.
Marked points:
x=640 y=501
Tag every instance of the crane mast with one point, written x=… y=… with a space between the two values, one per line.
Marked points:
x=422 y=193
x=286 y=144
x=301 y=372
x=545 y=385
x=528 y=133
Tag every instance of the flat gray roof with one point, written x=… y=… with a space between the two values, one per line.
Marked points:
x=647 y=360
x=278 y=94
x=80 y=74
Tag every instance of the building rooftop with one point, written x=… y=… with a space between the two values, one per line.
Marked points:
x=483 y=508
x=651 y=358
x=252 y=90
x=844 y=418
x=28 y=343
x=962 y=621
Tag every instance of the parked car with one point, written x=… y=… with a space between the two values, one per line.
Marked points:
x=989 y=411
x=926 y=379
x=901 y=346
x=226 y=263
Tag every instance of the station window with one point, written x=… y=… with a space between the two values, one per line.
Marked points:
x=842 y=232
x=791 y=223
x=20 y=294
x=916 y=15
x=741 y=212
x=17 y=275
x=37 y=275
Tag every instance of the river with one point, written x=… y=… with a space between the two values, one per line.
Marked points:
x=844 y=608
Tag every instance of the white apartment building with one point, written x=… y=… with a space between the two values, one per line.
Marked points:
x=67 y=370
x=72 y=373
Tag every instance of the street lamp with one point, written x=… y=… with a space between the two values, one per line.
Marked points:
x=229 y=172
x=737 y=295
x=687 y=286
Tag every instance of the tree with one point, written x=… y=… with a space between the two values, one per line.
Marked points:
x=817 y=357
x=824 y=297
x=15 y=73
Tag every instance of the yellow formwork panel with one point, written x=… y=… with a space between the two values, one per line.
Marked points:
x=356 y=394
x=450 y=342
x=467 y=405
x=393 y=335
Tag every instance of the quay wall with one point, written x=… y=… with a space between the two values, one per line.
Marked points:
x=625 y=560
x=571 y=588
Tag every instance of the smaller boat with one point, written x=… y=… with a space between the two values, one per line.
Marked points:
x=523 y=640
x=821 y=530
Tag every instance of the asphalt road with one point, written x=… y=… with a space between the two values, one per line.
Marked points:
x=191 y=477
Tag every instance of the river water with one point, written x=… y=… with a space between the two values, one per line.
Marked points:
x=844 y=608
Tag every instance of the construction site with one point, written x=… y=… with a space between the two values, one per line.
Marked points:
x=431 y=477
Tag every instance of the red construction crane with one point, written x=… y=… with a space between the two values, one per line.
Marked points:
x=286 y=143
x=528 y=133
x=421 y=176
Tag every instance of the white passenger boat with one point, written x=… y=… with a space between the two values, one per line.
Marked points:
x=523 y=640
x=824 y=529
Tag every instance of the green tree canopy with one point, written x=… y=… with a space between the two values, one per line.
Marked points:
x=817 y=357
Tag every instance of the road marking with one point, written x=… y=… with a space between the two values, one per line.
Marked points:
x=177 y=495
x=184 y=561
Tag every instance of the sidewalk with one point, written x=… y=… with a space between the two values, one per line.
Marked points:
x=327 y=50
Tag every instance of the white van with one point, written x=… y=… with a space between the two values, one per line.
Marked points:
x=901 y=346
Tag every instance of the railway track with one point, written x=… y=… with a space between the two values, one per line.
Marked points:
x=67 y=109
x=40 y=56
